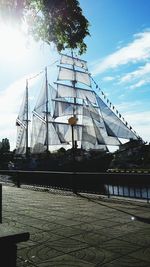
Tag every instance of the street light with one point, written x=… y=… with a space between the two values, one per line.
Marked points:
x=72 y=121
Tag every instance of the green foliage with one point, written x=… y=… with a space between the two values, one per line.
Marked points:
x=59 y=21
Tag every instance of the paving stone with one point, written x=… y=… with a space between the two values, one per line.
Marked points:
x=93 y=239
x=67 y=231
x=119 y=246
x=40 y=253
x=142 y=254
x=77 y=231
x=68 y=245
x=126 y=261
x=24 y=263
x=43 y=237
x=140 y=238
x=66 y=261
x=95 y=255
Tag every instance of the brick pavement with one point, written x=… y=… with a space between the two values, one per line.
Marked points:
x=71 y=230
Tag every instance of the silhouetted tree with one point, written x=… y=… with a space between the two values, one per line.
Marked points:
x=4 y=146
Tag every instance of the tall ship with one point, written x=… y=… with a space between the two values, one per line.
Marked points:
x=71 y=117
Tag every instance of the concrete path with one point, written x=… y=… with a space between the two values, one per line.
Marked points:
x=70 y=230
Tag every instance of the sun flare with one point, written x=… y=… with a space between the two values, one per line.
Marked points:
x=13 y=43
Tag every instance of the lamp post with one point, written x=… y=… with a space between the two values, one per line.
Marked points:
x=72 y=122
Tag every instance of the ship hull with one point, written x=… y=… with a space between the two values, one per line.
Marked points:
x=67 y=162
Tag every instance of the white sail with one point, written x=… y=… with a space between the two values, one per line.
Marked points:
x=21 y=123
x=109 y=140
x=94 y=129
x=114 y=126
x=89 y=132
x=38 y=136
x=21 y=140
x=68 y=91
x=100 y=126
x=66 y=108
x=65 y=59
x=65 y=130
x=74 y=75
x=53 y=93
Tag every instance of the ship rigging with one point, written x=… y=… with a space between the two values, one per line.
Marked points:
x=70 y=114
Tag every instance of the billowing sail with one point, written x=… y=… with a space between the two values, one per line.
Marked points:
x=114 y=126
x=21 y=139
x=68 y=91
x=21 y=123
x=65 y=59
x=94 y=130
x=38 y=135
x=74 y=75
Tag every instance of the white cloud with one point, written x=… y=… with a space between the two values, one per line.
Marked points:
x=128 y=107
x=141 y=123
x=108 y=78
x=136 y=51
x=139 y=83
x=140 y=72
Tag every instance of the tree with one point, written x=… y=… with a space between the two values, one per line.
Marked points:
x=4 y=146
x=57 y=21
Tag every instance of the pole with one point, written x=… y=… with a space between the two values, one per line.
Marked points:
x=47 y=135
x=73 y=145
x=74 y=107
x=27 y=120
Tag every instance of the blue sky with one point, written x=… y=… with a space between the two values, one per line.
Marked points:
x=118 y=56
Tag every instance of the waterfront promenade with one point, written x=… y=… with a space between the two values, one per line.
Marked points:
x=71 y=230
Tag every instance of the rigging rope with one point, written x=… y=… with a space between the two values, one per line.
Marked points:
x=42 y=71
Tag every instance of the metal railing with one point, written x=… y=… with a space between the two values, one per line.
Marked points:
x=136 y=192
x=131 y=185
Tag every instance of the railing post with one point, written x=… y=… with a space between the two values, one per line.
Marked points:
x=74 y=183
x=123 y=190
x=118 y=189
x=147 y=195
x=108 y=192
x=0 y=203
x=17 y=180
x=113 y=189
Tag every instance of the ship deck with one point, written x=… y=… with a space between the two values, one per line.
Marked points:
x=77 y=230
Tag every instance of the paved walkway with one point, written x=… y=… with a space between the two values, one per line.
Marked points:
x=77 y=231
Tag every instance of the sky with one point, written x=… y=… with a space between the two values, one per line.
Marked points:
x=118 y=56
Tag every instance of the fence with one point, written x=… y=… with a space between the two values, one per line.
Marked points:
x=133 y=185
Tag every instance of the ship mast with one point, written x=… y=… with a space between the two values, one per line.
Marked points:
x=74 y=107
x=27 y=120
x=46 y=87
